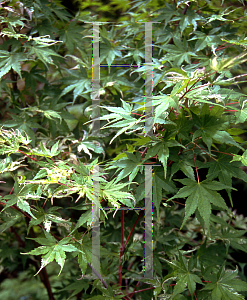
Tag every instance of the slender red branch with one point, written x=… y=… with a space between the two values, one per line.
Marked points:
x=53 y=161
x=223 y=152
x=11 y=190
x=140 y=215
x=136 y=114
x=190 y=88
x=178 y=203
x=220 y=48
x=204 y=151
x=232 y=103
x=32 y=158
x=135 y=292
x=145 y=150
x=231 y=110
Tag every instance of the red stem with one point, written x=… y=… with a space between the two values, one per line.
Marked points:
x=232 y=103
x=145 y=150
x=32 y=158
x=135 y=292
x=136 y=114
x=140 y=215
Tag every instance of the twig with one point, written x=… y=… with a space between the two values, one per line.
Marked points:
x=140 y=215
x=98 y=275
x=135 y=292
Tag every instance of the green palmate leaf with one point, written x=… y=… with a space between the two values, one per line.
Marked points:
x=44 y=40
x=188 y=19
x=52 y=114
x=200 y=196
x=10 y=60
x=78 y=86
x=53 y=250
x=8 y=222
x=51 y=215
x=162 y=108
x=208 y=123
x=161 y=149
x=224 y=137
x=13 y=21
x=84 y=218
x=183 y=270
x=158 y=185
x=204 y=40
x=24 y=125
x=233 y=238
x=241 y=115
x=222 y=169
x=7 y=164
x=43 y=53
x=242 y=158
x=128 y=122
x=183 y=164
x=225 y=286
x=112 y=192
x=19 y=198
x=10 y=32
x=109 y=51
x=166 y=13
x=70 y=35
x=178 y=53
x=82 y=261
x=46 y=152
x=129 y=166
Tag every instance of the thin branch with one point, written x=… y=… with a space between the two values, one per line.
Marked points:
x=145 y=150
x=140 y=215
x=205 y=151
x=98 y=275
x=135 y=292
x=32 y=158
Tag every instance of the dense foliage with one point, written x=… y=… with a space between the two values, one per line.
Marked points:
x=48 y=149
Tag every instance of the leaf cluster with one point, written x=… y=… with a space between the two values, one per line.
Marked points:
x=50 y=154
